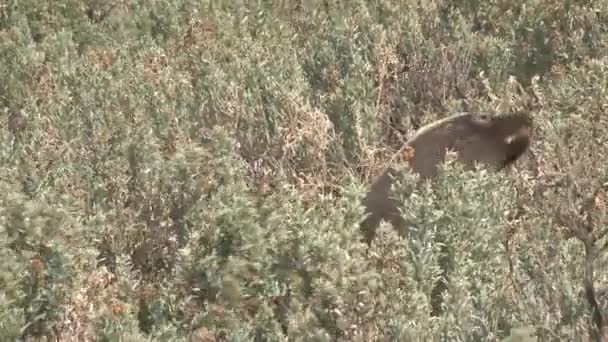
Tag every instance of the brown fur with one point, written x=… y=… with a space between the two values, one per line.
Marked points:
x=496 y=141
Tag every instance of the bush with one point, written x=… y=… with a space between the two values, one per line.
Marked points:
x=193 y=170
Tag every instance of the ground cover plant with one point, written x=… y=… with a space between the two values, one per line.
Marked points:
x=180 y=170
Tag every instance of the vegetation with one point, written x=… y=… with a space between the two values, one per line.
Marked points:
x=181 y=170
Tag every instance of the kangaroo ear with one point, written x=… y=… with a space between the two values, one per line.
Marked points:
x=512 y=123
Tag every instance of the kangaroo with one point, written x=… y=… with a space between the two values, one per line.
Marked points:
x=496 y=141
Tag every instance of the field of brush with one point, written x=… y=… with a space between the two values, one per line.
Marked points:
x=192 y=170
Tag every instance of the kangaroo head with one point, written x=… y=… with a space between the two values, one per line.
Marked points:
x=493 y=140
x=504 y=125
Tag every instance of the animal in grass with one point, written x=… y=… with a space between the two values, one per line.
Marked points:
x=496 y=141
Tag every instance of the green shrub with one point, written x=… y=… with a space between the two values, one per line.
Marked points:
x=193 y=170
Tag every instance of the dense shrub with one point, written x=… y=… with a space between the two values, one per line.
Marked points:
x=193 y=170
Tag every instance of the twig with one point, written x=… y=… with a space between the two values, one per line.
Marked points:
x=581 y=226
